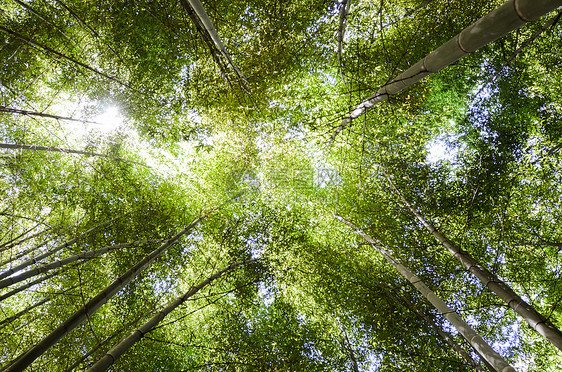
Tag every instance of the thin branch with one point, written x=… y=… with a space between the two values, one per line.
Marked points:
x=36 y=44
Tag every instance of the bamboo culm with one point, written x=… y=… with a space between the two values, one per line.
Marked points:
x=27 y=285
x=82 y=256
x=118 y=350
x=538 y=322
x=26 y=252
x=10 y=110
x=24 y=311
x=35 y=260
x=99 y=345
x=504 y=19
x=28 y=357
x=13 y=242
x=49 y=50
x=215 y=53
x=477 y=342
x=12 y=146
x=402 y=300
x=344 y=11
x=210 y=28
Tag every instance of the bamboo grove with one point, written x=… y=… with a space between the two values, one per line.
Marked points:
x=280 y=185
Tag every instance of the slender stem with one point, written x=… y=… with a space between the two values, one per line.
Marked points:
x=538 y=322
x=477 y=342
x=118 y=350
x=82 y=256
x=502 y=20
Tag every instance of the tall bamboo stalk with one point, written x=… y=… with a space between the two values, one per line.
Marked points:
x=24 y=311
x=10 y=110
x=402 y=300
x=81 y=256
x=102 y=343
x=19 y=242
x=118 y=350
x=477 y=342
x=54 y=250
x=215 y=53
x=210 y=28
x=12 y=146
x=25 y=252
x=344 y=11
x=28 y=357
x=538 y=322
x=348 y=347
x=27 y=285
x=90 y=29
x=504 y=19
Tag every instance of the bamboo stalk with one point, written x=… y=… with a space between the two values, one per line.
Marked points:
x=118 y=350
x=210 y=28
x=538 y=322
x=53 y=251
x=24 y=311
x=49 y=50
x=82 y=256
x=79 y=316
x=402 y=300
x=477 y=342
x=62 y=150
x=25 y=252
x=13 y=242
x=215 y=53
x=504 y=19
x=43 y=115
x=25 y=286
x=99 y=345
x=28 y=357
x=344 y=11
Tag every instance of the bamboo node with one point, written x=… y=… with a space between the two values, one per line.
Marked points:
x=460 y=44
x=519 y=13
x=424 y=66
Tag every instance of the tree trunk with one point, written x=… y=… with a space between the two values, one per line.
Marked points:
x=99 y=345
x=348 y=347
x=464 y=329
x=94 y=32
x=344 y=11
x=82 y=256
x=538 y=322
x=43 y=18
x=49 y=149
x=210 y=28
x=27 y=251
x=53 y=251
x=215 y=53
x=112 y=355
x=508 y=17
x=95 y=303
x=3 y=213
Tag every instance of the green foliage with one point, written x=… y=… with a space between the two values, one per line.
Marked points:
x=311 y=295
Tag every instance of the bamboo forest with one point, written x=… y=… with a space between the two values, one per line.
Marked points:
x=280 y=185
